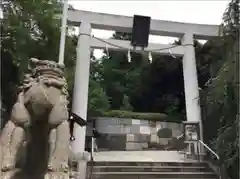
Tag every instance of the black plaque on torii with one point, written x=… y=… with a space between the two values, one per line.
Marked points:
x=140 y=31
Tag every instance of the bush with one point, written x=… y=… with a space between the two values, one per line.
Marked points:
x=138 y=115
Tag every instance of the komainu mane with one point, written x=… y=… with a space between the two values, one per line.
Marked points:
x=35 y=141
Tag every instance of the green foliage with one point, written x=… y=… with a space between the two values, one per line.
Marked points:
x=137 y=115
x=149 y=87
x=30 y=29
x=30 y=24
x=221 y=116
x=231 y=21
x=220 y=98
x=97 y=98
x=156 y=87
x=98 y=101
x=175 y=114
x=27 y=30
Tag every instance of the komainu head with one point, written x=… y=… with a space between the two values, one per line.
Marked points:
x=46 y=72
x=46 y=68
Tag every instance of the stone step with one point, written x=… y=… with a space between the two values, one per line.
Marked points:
x=146 y=177
x=181 y=164
x=140 y=156
x=153 y=175
x=147 y=165
x=151 y=169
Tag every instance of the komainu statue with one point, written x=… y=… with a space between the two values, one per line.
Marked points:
x=35 y=141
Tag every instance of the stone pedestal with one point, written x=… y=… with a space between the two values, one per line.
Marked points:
x=79 y=165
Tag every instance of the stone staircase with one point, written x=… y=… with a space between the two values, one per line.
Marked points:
x=147 y=165
x=150 y=170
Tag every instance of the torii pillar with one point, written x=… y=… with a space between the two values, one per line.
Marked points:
x=190 y=79
x=191 y=87
x=80 y=93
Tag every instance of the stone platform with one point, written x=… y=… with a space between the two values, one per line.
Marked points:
x=140 y=156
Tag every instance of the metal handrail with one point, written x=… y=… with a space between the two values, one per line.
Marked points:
x=221 y=168
x=178 y=137
x=209 y=149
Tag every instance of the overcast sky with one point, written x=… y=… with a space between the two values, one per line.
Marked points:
x=201 y=12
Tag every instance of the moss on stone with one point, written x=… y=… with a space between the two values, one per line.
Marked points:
x=138 y=115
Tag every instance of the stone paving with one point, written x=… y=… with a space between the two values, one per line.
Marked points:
x=141 y=156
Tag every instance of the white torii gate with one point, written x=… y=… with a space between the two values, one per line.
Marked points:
x=88 y=20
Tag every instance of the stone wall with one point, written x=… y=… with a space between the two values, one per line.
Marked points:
x=132 y=134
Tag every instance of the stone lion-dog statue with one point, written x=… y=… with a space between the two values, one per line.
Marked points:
x=35 y=141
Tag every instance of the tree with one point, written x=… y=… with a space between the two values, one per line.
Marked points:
x=220 y=98
x=97 y=98
x=147 y=85
x=30 y=29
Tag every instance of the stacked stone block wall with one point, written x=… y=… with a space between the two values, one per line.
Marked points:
x=132 y=134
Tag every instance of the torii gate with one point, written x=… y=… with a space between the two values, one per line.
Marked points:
x=88 y=20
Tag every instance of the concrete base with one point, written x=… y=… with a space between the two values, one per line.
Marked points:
x=79 y=165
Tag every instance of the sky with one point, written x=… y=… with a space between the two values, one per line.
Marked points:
x=191 y=11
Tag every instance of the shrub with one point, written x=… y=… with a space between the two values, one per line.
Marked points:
x=138 y=115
